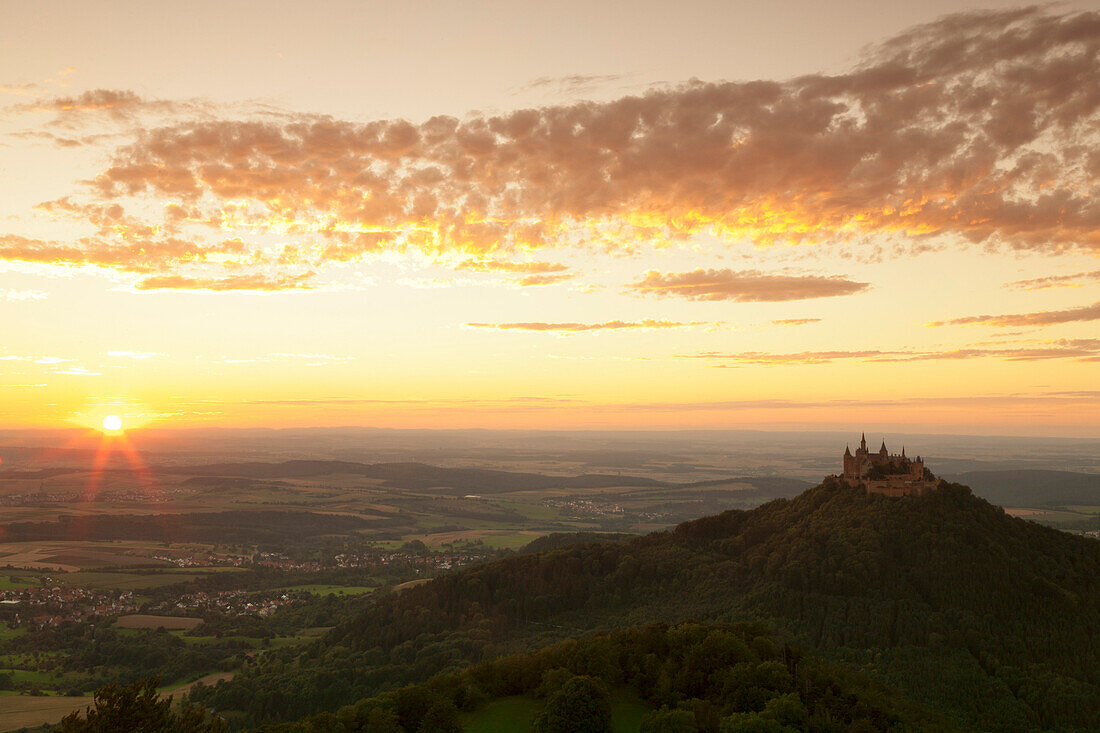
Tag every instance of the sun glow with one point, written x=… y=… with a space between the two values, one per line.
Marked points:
x=112 y=424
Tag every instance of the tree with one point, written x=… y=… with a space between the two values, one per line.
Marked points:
x=580 y=706
x=137 y=708
x=441 y=718
x=669 y=721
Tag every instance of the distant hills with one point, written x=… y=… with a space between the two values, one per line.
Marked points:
x=422 y=476
x=987 y=618
x=1034 y=488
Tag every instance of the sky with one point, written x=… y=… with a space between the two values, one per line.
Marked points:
x=785 y=215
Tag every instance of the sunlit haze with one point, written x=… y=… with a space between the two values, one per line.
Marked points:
x=803 y=215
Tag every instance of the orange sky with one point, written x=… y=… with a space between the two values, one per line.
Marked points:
x=585 y=215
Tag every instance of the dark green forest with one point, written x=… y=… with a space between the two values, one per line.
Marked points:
x=739 y=677
x=990 y=619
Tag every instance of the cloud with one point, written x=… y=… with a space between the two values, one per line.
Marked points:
x=977 y=401
x=242 y=282
x=1079 y=349
x=534 y=273
x=1076 y=280
x=9 y=294
x=646 y=323
x=981 y=127
x=795 y=321
x=121 y=105
x=135 y=248
x=539 y=280
x=568 y=85
x=973 y=125
x=744 y=286
x=78 y=371
x=1039 y=318
x=527 y=268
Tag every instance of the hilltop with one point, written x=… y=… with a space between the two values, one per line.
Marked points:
x=989 y=618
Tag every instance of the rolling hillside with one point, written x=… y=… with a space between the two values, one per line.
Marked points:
x=969 y=611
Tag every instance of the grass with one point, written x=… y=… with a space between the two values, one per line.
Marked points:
x=328 y=590
x=142 y=621
x=121 y=581
x=627 y=711
x=32 y=677
x=23 y=711
x=517 y=714
x=8 y=633
x=16 y=582
x=504 y=714
x=488 y=537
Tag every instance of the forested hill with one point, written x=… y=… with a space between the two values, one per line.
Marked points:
x=987 y=617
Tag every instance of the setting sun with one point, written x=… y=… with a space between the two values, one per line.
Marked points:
x=112 y=423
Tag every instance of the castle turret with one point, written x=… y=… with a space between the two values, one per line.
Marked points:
x=863 y=442
x=847 y=452
x=882 y=451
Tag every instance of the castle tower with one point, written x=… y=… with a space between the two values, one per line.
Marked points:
x=863 y=442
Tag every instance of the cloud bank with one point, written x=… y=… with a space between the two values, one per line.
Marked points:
x=982 y=126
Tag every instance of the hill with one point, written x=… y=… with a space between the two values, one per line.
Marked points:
x=1034 y=488
x=556 y=540
x=680 y=678
x=989 y=618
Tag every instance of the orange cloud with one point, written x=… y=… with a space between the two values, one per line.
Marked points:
x=1039 y=318
x=744 y=286
x=975 y=126
x=971 y=125
x=1079 y=349
x=535 y=273
x=529 y=268
x=795 y=321
x=580 y=327
x=139 y=252
x=242 y=282
x=1076 y=280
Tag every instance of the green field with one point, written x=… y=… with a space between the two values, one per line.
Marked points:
x=121 y=581
x=9 y=633
x=17 y=582
x=517 y=714
x=328 y=590
x=505 y=714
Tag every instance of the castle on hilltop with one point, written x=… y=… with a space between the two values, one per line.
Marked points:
x=882 y=473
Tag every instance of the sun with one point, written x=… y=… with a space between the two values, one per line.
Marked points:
x=112 y=423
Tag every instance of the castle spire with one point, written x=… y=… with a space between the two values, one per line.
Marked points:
x=883 y=450
x=863 y=442
x=847 y=452
x=903 y=451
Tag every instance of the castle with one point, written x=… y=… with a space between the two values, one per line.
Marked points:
x=882 y=473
